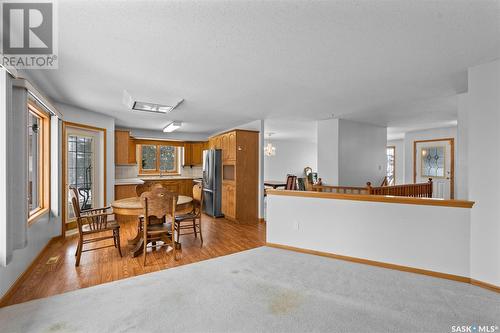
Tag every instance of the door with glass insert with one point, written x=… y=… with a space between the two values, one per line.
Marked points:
x=84 y=169
x=435 y=159
x=81 y=170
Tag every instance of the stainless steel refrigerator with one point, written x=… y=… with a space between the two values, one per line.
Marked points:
x=212 y=182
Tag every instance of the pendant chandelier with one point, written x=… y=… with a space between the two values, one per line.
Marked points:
x=269 y=149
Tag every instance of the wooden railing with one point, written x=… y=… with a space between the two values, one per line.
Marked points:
x=340 y=189
x=421 y=190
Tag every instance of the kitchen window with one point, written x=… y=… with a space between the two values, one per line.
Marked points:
x=38 y=162
x=156 y=159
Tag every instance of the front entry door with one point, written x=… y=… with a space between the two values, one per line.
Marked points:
x=435 y=159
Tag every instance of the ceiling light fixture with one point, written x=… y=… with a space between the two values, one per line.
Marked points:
x=172 y=126
x=269 y=149
x=151 y=107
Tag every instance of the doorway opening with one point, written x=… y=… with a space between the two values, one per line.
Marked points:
x=84 y=167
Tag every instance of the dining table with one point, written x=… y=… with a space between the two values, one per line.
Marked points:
x=133 y=207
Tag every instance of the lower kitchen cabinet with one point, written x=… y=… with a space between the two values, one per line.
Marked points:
x=229 y=200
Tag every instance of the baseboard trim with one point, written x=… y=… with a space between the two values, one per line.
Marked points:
x=24 y=275
x=485 y=285
x=447 y=276
x=374 y=263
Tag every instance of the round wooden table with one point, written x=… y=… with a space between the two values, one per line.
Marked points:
x=133 y=207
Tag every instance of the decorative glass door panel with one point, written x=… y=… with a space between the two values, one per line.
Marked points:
x=80 y=171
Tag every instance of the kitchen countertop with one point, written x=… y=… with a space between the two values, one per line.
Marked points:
x=141 y=180
x=129 y=181
x=146 y=178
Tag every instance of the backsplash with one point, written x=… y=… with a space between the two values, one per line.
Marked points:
x=126 y=171
x=131 y=171
x=195 y=172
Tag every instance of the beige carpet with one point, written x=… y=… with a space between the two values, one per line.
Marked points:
x=262 y=290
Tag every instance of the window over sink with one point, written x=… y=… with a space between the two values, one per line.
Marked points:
x=158 y=159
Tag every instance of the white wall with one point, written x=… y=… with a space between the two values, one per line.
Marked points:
x=362 y=153
x=400 y=159
x=328 y=151
x=483 y=124
x=434 y=133
x=86 y=117
x=426 y=237
x=292 y=156
x=351 y=153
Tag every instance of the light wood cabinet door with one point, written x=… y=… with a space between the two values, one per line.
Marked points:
x=132 y=155
x=229 y=200
x=218 y=142
x=224 y=146
x=231 y=146
x=172 y=186
x=197 y=153
x=121 y=147
x=188 y=153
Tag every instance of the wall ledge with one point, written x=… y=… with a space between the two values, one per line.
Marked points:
x=374 y=198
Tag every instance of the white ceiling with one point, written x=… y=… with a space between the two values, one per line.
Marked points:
x=237 y=61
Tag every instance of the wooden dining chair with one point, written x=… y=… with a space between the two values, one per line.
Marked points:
x=191 y=220
x=141 y=188
x=90 y=223
x=158 y=204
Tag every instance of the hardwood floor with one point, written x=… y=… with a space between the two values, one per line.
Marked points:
x=220 y=236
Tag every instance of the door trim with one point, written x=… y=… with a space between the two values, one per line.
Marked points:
x=66 y=124
x=452 y=164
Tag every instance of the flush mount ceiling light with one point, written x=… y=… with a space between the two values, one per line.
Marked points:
x=269 y=149
x=136 y=103
x=151 y=107
x=172 y=126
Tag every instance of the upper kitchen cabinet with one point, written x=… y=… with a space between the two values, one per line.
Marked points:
x=193 y=153
x=231 y=146
x=124 y=148
x=215 y=142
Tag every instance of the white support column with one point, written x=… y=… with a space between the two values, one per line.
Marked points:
x=261 y=170
x=483 y=121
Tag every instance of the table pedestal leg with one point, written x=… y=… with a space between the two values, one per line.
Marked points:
x=138 y=248
x=138 y=235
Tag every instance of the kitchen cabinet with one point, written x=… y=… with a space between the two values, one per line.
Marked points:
x=224 y=146
x=124 y=148
x=122 y=192
x=215 y=142
x=231 y=146
x=179 y=186
x=229 y=200
x=239 y=173
x=193 y=153
x=197 y=153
